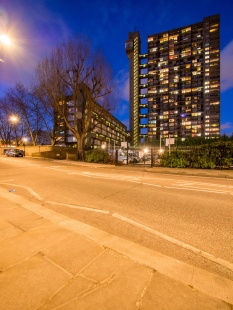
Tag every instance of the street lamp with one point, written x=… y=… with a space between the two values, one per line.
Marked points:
x=12 y=120
x=160 y=153
x=4 y=40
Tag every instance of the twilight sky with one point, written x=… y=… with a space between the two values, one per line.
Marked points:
x=36 y=26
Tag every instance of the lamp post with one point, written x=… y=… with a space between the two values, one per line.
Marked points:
x=24 y=144
x=13 y=120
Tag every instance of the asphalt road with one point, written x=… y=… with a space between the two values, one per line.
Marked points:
x=186 y=217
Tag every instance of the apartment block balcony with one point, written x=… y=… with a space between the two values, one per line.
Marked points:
x=143 y=66
x=145 y=85
x=143 y=115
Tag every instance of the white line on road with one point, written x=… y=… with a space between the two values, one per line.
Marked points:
x=188 y=183
x=27 y=188
x=6 y=181
x=198 y=190
x=79 y=207
x=207 y=189
x=75 y=173
x=197 y=251
x=56 y=169
x=109 y=176
x=33 y=165
x=149 y=184
x=176 y=186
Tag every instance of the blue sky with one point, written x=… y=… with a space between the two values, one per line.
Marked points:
x=37 y=26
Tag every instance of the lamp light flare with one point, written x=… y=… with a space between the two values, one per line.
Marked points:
x=4 y=39
x=13 y=119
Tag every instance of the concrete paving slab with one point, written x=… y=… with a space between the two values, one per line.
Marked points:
x=25 y=245
x=7 y=230
x=164 y=293
x=112 y=281
x=33 y=223
x=25 y=218
x=6 y=205
x=19 y=212
x=202 y=280
x=74 y=289
x=73 y=253
x=29 y=284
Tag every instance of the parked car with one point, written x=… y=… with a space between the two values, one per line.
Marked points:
x=134 y=160
x=15 y=153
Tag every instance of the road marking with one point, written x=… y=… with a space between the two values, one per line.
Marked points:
x=207 y=189
x=56 y=169
x=110 y=176
x=198 y=190
x=202 y=183
x=195 y=250
x=33 y=165
x=7 y=181
x=161 y=179
x=149 y=184
x=177 y=185
x=27 y=188
x=78 y=173
x=78 y=207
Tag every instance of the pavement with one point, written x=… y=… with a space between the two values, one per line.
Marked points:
x=50 y=261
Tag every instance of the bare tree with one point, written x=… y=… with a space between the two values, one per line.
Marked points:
x=5 y=126
x=27 y=111
x=75 y=73
x=47 y=114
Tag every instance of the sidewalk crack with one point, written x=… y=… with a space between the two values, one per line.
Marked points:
x=139 y=302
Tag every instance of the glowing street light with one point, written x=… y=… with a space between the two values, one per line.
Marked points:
x=13 y=119
x=4 y=39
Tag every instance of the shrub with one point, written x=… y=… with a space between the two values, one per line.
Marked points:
x=97 y=156
x=176 y=159
x=202 y=162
